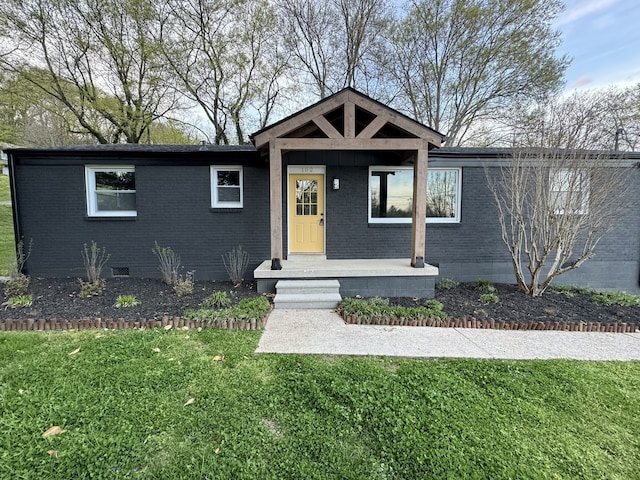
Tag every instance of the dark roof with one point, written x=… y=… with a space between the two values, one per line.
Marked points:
x=136 y=147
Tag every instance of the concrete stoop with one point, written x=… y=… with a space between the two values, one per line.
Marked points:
x=307 y=294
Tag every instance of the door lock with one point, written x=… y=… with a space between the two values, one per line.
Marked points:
x=322 y=219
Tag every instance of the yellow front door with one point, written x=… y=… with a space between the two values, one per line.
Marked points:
x=306 y=213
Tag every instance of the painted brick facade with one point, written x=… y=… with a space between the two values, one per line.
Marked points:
x=174 y=209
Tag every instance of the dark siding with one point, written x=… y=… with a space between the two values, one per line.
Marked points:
x=173 y=198
x=173 y=205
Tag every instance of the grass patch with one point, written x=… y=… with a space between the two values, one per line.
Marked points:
x=124 y=399
x=7 y=241
x=616 y=298
x=5 y=192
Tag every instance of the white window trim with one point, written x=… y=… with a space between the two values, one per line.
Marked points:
x=215 y=203
x=455 y=219
x=584 y=192
x=90 y=187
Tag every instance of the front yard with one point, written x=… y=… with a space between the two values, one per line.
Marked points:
x=186 y=404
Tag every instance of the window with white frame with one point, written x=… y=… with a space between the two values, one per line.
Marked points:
x=226 y=187
x=391 y=194
x=569 y=192
x=111 y=191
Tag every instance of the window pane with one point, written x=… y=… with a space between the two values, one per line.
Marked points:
x=228 y=178
x=442 y=188
x=117 y=180
x=391 y=194
x=306 y=197
x=115 y=200
x=229 y=194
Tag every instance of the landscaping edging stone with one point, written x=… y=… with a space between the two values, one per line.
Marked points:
x=493 y=324
x=55 y=324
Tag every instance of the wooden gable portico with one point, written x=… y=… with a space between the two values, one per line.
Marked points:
x=348 y=120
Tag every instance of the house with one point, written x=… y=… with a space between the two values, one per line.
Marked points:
x=336 y=191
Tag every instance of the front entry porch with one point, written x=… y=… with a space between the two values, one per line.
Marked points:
x=391 y=277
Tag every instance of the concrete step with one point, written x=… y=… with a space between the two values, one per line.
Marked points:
x=307 y=294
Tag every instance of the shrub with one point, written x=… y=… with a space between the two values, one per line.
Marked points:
x=616 y=298
x=183 y=286
x=17 y=285
x=91 y=289
x=94 y=259
x=236 y=262
x=485 y=286
x=446 y=284
x=245 y=309
x=217 y=301
x=169 y=263
x=18 y=282
x=489 y=298
x=125 y=301
x=376 y=307
x=19 y=301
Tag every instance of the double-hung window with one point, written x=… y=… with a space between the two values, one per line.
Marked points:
x=111 y=191
x=391 y=195
x=569 y=192
x=226 y=187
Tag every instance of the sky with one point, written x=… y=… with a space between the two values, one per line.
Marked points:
x=603 y=39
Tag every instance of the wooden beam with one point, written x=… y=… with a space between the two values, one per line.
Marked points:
x=418 y=223
x=373 y=128
x=275 y=204
x=349 y=120
x=324 y=125
x=366 y=144
x=296 y=121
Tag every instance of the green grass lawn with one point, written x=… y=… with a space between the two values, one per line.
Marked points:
x=7 y=242
x=124 y=400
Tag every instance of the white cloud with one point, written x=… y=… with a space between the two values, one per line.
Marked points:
x=576 y=12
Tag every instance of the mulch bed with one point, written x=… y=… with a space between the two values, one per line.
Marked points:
x=56 y=305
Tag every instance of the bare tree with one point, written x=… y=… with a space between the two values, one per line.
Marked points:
x=461 y=61
x=555 y=205
x=337 y=43
x=95 y=57
x=226 y=59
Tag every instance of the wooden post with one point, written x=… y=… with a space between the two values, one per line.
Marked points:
x=275 y=204
x=418 y=223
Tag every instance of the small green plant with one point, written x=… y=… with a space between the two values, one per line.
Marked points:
x=377 y=307
x=18 y=282
x=489 y=298
x=570 y=291
x=91 y=289
x=446 y=284
x=485 y=286
x=217 y=301
x=169 y=263
x=616 y=298
x=236 y=262
x=125 y=301
x=183 y=286
x=19 y=301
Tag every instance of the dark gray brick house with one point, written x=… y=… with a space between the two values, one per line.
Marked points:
x=338 y=190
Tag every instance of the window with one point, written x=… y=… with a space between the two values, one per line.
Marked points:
x=111 y=191
x=391 y=195
x=226 y=187
x=569 y=192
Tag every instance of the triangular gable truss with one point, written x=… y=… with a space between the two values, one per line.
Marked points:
x=349 y=120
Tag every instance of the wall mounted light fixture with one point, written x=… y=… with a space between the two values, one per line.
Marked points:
x=336 y=184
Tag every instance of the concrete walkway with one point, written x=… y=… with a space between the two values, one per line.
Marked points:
x=324 y=332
